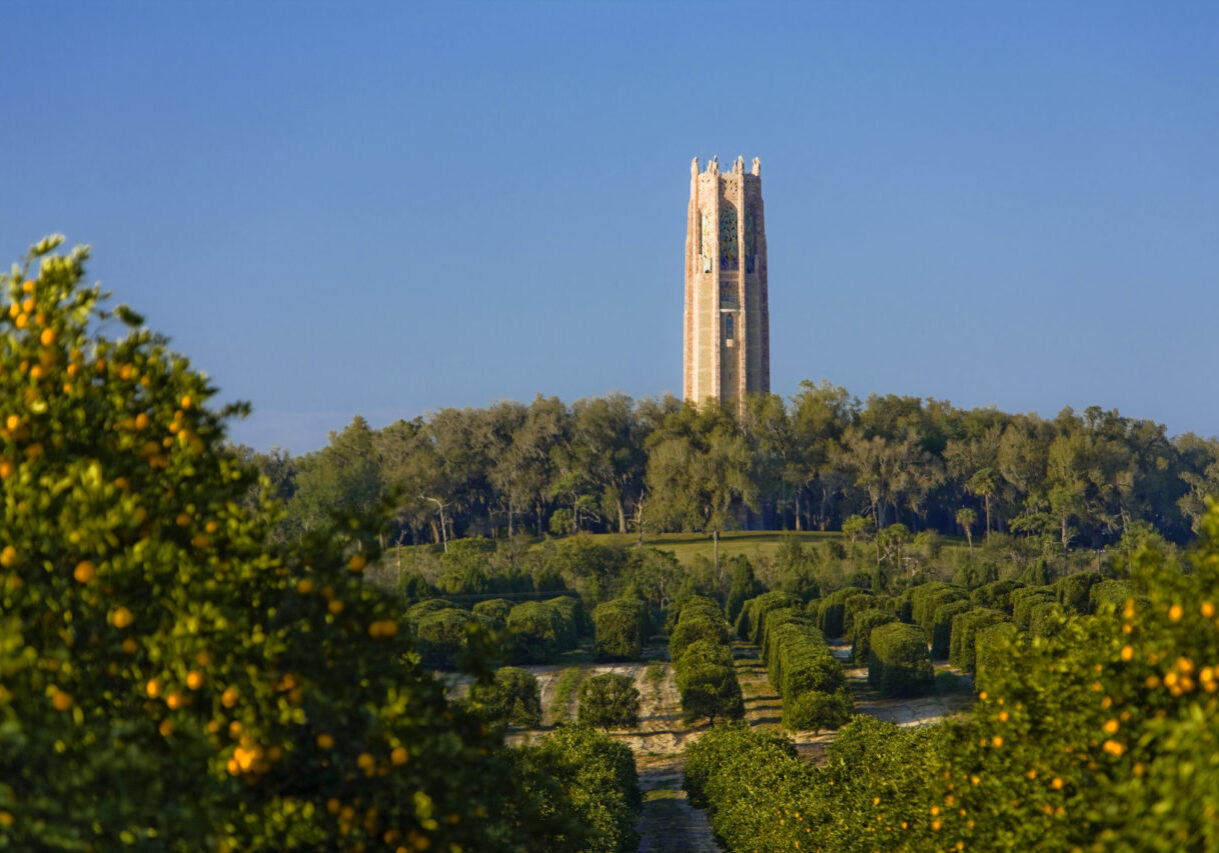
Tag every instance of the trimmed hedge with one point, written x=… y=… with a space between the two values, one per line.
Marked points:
x=1072 y=591
x=961 y=650
x=833 y=610
x=898 y=662
x=600 y=780
x=798 y=660
x=853 y=605
x=620 y=626
x=1109 y=596
x=861 y=631
x=699 y=646
x=749 y=621
x=1046 y=619
x=707 y=683
x=813 y=609
x=1025 y=599
x=996 y=595
x=926 y=599
x=941 y=627
x=800 y=665
x=699 y=619
x=993 y=651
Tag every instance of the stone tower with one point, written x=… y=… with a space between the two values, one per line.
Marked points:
x=727 y=322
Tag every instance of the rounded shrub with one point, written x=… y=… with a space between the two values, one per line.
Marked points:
x=536 y=629
x=620 y=626
x=609 y=701
x=495 y=609
x=816 y=711
x=512 y=696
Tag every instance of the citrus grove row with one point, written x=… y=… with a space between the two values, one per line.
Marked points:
x=172 y=679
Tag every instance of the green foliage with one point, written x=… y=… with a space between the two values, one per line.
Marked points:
x=429 y=605
x=537 y=630
x=707 y=683
x=598 y=787
x=795 y=565
x=800 y=664
x=858 y=528
x=466 y=564
x=743 y=587
x=1025 y=599
x=1102 y=733
x=591 y=568
x=697 y=625
x=760 y=795
x=941 y=626
x=833 y=610
x=854 y=604
x=1072 y=590
x=512 y=696
x=495 y=609
x=176 y=676
x=442 y=635
x=575 y=620
x=927 y=598
x=620 y=627
x=965 y=626
x=1109 y=595
x=996 y=595
x=609 y=701
x=815 y=711
x=1101 y=736
x=898 y=662
x=861 y=631
x=797 y=658
x=994 y=648
x=749 y=622
x=1046 y=619
x=709 y=758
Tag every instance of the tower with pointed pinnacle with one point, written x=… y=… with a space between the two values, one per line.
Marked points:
x=727 y=324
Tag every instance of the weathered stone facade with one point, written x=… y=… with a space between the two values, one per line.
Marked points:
x=727 y=322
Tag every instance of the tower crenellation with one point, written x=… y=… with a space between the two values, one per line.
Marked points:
x=726 y=324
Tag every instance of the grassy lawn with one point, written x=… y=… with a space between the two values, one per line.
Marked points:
x=754 y=544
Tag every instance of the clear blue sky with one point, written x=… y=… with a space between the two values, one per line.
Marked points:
x=392 y=208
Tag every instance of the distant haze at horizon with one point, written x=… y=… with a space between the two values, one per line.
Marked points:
x=415 y=208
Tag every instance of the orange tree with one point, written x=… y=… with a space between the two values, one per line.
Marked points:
x=1102 y=736
x=169 y=679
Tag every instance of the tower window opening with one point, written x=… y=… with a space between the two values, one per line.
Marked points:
x=729 y=327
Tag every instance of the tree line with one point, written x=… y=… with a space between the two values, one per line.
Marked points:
x=820 y=460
